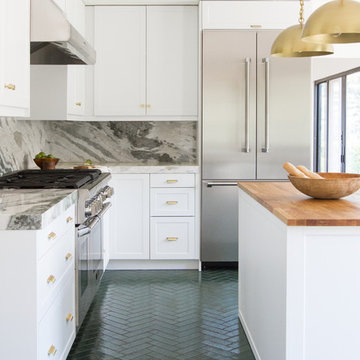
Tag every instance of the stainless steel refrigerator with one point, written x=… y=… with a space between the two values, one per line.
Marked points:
x=257 y=114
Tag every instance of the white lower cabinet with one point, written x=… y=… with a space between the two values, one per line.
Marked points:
x=57 y=328
x=130 y=217
x=38 y=309
x=172 y=202
x=172 y=238
x=152 y=219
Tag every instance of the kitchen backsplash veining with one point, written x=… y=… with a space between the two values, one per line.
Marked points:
x=125 y=142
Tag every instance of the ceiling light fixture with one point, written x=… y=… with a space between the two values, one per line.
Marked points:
x=335 y=22
x=290 y=44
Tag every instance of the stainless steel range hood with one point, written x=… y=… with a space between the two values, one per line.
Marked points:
x=54 y=40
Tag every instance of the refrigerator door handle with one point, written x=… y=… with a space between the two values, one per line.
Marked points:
x=247 y=105
x=211 y=184
x=266 y=149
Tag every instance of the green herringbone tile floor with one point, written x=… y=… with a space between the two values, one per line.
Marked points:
x=163 y=315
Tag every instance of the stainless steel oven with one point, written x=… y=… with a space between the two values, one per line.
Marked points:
x=89 y=262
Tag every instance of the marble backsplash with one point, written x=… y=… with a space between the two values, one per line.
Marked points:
x=19 y=141
x=134 y=142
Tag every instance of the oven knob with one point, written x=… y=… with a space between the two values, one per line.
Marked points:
x=108 y=192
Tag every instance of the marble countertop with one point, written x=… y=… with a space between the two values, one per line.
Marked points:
x=117 y=168
x=33 y=209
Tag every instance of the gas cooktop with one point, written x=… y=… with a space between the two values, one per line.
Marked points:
x=49 y=179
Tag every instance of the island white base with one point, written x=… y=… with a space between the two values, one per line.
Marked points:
x=299 y=287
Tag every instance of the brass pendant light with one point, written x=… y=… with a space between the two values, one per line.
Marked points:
x=289 y=42
x=333 y=23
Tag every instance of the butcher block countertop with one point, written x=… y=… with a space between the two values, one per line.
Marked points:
x=295 y=209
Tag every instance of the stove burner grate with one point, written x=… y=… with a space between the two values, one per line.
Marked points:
x=49 y=179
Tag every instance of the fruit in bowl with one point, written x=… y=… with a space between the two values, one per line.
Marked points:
x=45 y=161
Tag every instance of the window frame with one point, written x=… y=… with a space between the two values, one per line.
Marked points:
x=317 y=123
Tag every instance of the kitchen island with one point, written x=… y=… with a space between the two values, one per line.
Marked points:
x=299 y=273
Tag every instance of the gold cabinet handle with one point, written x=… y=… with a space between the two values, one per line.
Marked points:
x=78 y=103
x=172 y=202
x=68 y=256
x=148 y=105
x=172 y=181
x=52 y=236
x=69 y=219
x=52 y=351
x=142 y=105
x=69 y=317
x=51 y=279
x=172 y=238
x=10 y=86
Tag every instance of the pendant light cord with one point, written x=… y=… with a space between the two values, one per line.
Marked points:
x=301 y=13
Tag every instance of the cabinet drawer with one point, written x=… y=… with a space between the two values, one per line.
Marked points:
x=172 y=238
x=53 y=232
x=172 y=180
x=53 y=266
x=57 y=328
x=172 y=202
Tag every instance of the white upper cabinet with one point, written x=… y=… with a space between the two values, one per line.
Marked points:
x=61 y=4
x=14 y=57
x=250 y=14
x=57 y=92
x=172 y=61
x=120 y=45
x=76 y=89
x=147 y=62
x=75 y=13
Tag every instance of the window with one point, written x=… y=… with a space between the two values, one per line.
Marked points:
x=337 y=123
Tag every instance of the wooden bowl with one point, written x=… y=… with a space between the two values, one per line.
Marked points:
x=46 y=163
x=334 y=186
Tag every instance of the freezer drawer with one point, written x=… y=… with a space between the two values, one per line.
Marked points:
x=219 y=227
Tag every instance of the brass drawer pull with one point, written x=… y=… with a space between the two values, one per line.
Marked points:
x=68 y=256
x=172 y=181
x=69 y=219
x=172 y=202
x=52 y=236
x=142 y=105
x=172 y=238
x=70 y=317
x=148 y=105
x=51 y=279
x=10 y=86
x=78 y=103
x=52 y=351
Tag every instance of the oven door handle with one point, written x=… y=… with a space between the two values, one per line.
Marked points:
x=105 y=208
x=93 y=222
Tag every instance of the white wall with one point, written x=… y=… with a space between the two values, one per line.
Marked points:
x=326 y=66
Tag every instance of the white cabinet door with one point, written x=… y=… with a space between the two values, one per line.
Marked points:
x=130 y=217
x=172 y=238
x=172 y=202
x=172 y=60
x=120 y=65
x=76 y=89
x=250 y=14
x=14 y=57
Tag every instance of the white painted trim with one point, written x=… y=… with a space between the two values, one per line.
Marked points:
x=154 y=265
x=249 y=337
x=141 y=2
x=140 y=118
